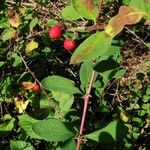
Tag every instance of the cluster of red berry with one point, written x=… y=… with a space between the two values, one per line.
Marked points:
x=55 y=32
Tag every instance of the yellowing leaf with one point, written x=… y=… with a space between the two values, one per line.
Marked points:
x=22 y=10
x=124 y=116
x=148 y=118
x=20 y=104
x=27 y=85
x=94 y=46
x=15 y=21
x=31 y=46
x=126 y=16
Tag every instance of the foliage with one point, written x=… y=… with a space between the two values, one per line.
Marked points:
x=71 y=82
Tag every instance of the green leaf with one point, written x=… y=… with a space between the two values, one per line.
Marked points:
x=68 y=145
x=85 y=74
x=119 y=74
x=69 y=13
x=113 y=52
x=126 y=2
x=53 y=130
x=20 y=145
x=33 y=23
x=60 y=84
x=93 y=47
x=8 y=34
x=65 y=100
x=106 y=1
x=16 y=60
x=4 y=23
x=8 y=124
x=143 y=5
x=126 y=16
x=51 y=22
x=86 y=9
x=27 y=123
x=22 y=76
x=2 y=63
x=115 y=130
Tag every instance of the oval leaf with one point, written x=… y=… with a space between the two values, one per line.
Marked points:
x=8 y=34
x=18 y=145
x=142 y=5
x=85 y=74
x=69 y=13
x=31 y=46
x=53 y=130
x=94 y=46
x=60 y=84
x=65 y=100
x=126 y=16
x=86 y=8
x=33 y=23
x=115 y=130
x=26 y=123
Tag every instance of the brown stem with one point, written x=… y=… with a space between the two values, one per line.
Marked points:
x=87 y=29
x=100 y=5
x=41 y=86
x=86 y=102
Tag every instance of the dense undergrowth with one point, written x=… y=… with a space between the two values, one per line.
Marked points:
x=105 y=78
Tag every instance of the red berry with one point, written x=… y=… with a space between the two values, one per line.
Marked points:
x=55 y=32
x=36 y=88
x=69 y=44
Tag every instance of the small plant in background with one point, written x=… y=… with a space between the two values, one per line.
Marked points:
x=94 y=97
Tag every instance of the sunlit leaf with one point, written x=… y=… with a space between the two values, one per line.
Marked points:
x=65 y=100
x=33 y=23
x=60 y=84
x=143 y=5
x=52 y=129
x=20 y=104
x=31 y=46
x=26 y=122
x=93 y=47
x=124 y=116
x=22 y=10
x=18 y=145
x=69 y=13
x=8 y=34
x=86 y=8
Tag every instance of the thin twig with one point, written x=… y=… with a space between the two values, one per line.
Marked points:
x=88 y=29
x=37 y=81
x=86 y=102
x=132 y=32
x=100 y=5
